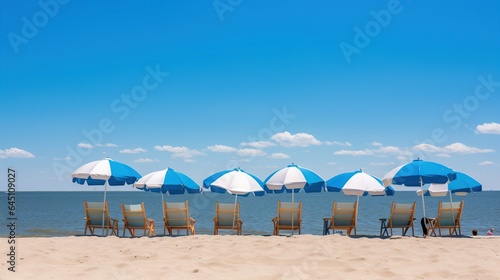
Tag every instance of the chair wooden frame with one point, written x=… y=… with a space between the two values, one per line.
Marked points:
x=227 y=216
x=447 y=218
x=289 y=217
x=344 y=216
x=134 y=218
x=176 y=216
x=402 y=216
x=93 y=218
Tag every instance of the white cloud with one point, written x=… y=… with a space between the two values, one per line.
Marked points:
x=488 y=128
x=15 y=153
x=295 y=140
x=85 y=145
x=380 y=151
x=178 y=152
x=331 y=163
x=487 y=162
x=443 y=155
x=259 y=144
x=251 y=152
x=337 y=143
x=455 y=148
x=279 y=156
x=365 y=152
x=376 y=144
x=133 y=151
x=222 y=149
x=427 y=148
x=111 y=145
x=464 y=149
x=143 y=160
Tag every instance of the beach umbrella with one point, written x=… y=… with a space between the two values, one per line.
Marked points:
x=235 y=181
x=358 y=183
x=105 y=172
x=293 y=178
x=462 y=185
x=418 y=173
x=167 y=181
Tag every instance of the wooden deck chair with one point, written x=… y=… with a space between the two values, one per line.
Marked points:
x=176 y=216
x=289 y=217
x=402 y=216
x=344 y=216
x=448 y=217
x=227 y=216
x=134 y=217
x=93 y=218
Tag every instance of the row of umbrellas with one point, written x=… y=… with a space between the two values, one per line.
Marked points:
x=290 y=179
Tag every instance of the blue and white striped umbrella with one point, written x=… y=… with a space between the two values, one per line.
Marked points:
x=235 y=181
x=462 y=185
x=358 y=183
x=167 y=181
x=294 y=178
x=418 y=173
x=104 y=172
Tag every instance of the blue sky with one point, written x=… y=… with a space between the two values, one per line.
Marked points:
x=201 y=87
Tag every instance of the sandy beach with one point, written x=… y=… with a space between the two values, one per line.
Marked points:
x=254 y=257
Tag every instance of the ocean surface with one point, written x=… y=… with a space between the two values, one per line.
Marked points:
x=42 y=214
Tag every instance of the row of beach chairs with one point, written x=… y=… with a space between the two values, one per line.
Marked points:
x=289 y=217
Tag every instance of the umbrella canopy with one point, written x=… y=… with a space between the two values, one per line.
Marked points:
x=357 y=183
x=167 y=181
x=104 y=172
x=462 y=185
x=418 y=173
x=293 y=178
x=235 y=181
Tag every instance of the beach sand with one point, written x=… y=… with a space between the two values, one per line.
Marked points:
x=253 y=257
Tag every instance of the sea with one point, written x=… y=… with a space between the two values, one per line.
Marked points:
x=48 y=214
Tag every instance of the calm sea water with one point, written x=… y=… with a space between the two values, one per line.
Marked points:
x=62 y=213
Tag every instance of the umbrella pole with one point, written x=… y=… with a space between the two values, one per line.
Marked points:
x=452 y=215
x=293 y=207
x=423 y=201
x=163 y=206
x=357 y=206
x=104 y=206
x=235 y=204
